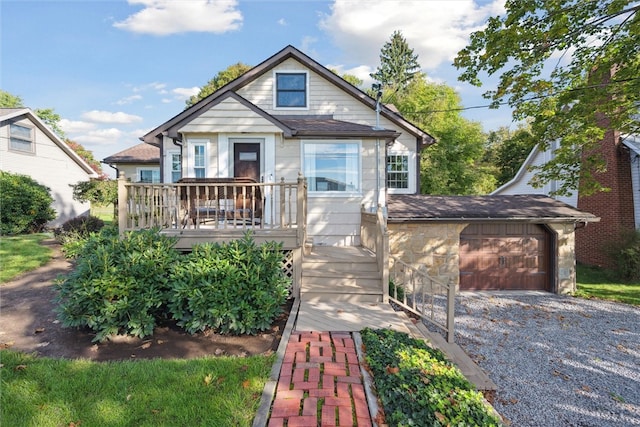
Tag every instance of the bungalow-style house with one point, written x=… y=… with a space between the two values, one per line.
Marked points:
x=140 y=163
x=30 y=148
x=618 y=208
x=296 y=154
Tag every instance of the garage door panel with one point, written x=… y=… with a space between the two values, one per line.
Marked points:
x=504 y=256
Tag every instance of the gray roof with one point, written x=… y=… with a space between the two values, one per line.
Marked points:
x=537 y=208
x=141 y=153
x=328 y=126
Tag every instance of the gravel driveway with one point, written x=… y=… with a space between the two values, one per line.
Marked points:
x=557 y=361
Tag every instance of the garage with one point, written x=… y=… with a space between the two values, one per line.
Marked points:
x=494 y=242
x=507 y=256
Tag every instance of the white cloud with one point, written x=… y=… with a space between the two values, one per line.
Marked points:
x=108 y=136
x=109 y=117
x=128 y=99
x=163 y=17
x=436 y=29
x=75 y=126
x=185 y=92
x=282 y=22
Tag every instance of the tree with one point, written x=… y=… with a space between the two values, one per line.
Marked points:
x=350 y=78
x=573 y=66
x=87 y=156
x=100 y=192
x=225 y=76
x=454 y=164
x=508 y=149
x=398 y=65
x=9 y=101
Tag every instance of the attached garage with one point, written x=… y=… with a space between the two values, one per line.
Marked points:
x=490 y=242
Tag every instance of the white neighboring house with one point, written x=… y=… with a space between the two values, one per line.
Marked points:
x=30 y=148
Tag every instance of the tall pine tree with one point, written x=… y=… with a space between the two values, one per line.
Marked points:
x=398 y=64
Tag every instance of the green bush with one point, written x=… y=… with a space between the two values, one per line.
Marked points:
x=237 y=287
x=73 y=234
x=418 y=386
x=119 y=285
x=25 y=204
x=626 y=255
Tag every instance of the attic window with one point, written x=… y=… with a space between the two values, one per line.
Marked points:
x=21 y=138
x=291 y=90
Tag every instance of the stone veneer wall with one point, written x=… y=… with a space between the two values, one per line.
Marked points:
x=436 y=245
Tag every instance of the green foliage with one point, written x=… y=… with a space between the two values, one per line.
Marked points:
x=236 y=287
x=398 y=64
x=418 y=386
x=509 y=149
x=26 y=205
x=626 y=255
x=119 y=284
x=100 y=192
x=8 y=100
x=570 y=65
x=87 y=156
x=222 y=78
x=599 y=283
x=73 y=234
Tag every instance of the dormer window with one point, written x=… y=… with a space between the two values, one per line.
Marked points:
x=291 y=90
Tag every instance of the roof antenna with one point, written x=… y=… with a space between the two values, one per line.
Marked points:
x=378 y=88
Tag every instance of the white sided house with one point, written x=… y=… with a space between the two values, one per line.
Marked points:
x=30 y=148
x=288 y=116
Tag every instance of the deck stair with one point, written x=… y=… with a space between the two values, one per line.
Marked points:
x=340 y=273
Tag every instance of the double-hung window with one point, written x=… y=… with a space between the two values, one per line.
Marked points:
x=176 y=167
x=199 y=161
x=332 y=166
x=150 y=175
x=291 y=90
x=398 y=171
x=21 y=138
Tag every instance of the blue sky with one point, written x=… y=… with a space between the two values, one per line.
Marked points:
x=115 y=69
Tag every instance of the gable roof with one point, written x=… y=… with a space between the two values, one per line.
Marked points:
x=529 y=207
x=170 y=127
x=632 y=142
x=26 y=113
x=141 y=153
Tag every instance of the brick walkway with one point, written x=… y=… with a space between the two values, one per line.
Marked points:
x=320 y=383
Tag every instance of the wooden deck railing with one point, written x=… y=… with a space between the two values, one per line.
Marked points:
x=213 y=204
x=375 y=237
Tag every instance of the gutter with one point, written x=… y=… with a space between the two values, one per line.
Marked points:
x=489 y=219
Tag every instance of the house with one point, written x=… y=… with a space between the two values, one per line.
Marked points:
x=619 y=208
x=30 y=148
x=296 y=154
x=141 y=163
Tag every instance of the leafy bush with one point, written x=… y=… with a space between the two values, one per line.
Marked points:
x=26 y=205
x=236 y=287
x=626 y=255
x=75 y=244
x=73 y=234
x=119 y=285
x=418 y=386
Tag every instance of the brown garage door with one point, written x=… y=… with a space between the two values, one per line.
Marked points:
x=504 y=257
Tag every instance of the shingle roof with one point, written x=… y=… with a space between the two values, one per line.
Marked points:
x=328 y=126
x=141 y=153
x=483 y=208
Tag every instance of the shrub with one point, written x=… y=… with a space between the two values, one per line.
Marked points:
x=626 y=255
x=25 y=204
x=73 y=234
x=119 y=284
x=418 y=386
x=237 y=287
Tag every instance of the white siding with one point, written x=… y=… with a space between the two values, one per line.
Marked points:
x=635 y=183
x=49 y=165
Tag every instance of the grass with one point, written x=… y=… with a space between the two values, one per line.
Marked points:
x=105 y=213
x=598 y=283
x=22 y=253
x=221 y=391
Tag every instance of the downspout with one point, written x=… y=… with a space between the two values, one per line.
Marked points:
x=376 y=202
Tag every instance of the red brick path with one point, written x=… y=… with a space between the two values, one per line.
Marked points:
x=320 y=383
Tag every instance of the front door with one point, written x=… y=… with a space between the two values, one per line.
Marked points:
x=246 y=160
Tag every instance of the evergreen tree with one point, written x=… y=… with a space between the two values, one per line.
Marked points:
x=398 y=64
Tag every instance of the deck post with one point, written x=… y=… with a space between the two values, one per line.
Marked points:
x=451 y=307
x=122 y=203
x=382 y=249
x=297 y=271
x=301 y=211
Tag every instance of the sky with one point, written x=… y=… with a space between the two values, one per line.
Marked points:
x=113 y=70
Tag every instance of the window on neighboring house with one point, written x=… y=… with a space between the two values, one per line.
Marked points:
x=398 y=171
x=199 y=161
x=291 y=90
x=332 y=167
x=149 y=176
x=176 y=167
x=21 y=138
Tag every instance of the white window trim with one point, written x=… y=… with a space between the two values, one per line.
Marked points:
x=191 y=143
x=275 y=90
x=412 y=172
x=168 y=164
x=150 y=168
x=337 y=194
x=267 y=153
x=31 y=140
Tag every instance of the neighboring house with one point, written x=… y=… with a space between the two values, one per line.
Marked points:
x=30 y=148
x=291 y=117
x=619 y=208
x=141 y=163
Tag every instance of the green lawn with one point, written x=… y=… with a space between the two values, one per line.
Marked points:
x=19 y=254
x=222 y=391
x=600 y=283
x=105 y=213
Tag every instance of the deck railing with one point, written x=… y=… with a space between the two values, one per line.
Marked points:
x=375 y=237
x=229 y=205
x=414 y=290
